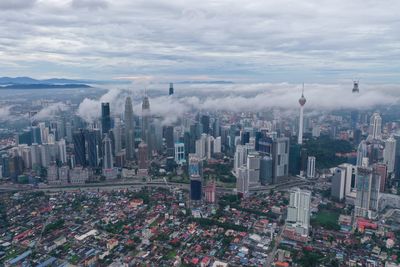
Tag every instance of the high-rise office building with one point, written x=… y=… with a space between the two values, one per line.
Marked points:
x=209 y=192
x=62 y=151
x=253 y=169
x=367 y=196
x=338 y=184
x=381 y=169
x=343 y=181
x=389 y=153
x=375 y=126
x=302 y=102
x=171 y=89
x=216 y=128
x=195 y=187
x=105 y=117
x=194 y=165
x=169 y=140
x=143 y=157
x=129 y=130
x=145 y=119
x=79 y=148
x=240 y=157
x=205 y=122
x=117 y=133
x=266 y=170
x=35 y=152
x=180 y=157
x=299 y=210
x=5 y=163
x=217 y=148
x=362 y=152
x=280 y=157
x=311 y=167
x=242 y=181
x=94 y=151
x=108 y=162
x=294 y=159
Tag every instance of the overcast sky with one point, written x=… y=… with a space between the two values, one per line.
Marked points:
x=315 y=41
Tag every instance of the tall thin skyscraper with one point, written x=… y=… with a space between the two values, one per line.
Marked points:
x=105 y=117
x=389 y=153
x=299 y=210
x=311 y=167
x=367 y=198
x=171 y=89
x=62 y=151
x=129 y=130
x=362 y=151
x=117 y=135
x=79 y=148
x=93 y=140
x=375 y=126
x=143 y=157
x=205 y=122
x=145 y=119
x=107 y=153
x=302 y=102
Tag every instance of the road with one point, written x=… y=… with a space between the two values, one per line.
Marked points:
x=107 y=186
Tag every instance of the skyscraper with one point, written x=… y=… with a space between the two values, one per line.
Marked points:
x=146 y=120
x=180 y=153
x=375 y=126
x=79 y=148
x=143 y=157
x=362 y=151
x=93 y=140
x=62 y=151
x=253 y=169
x=169 y=139
x=209 y=192
x=389 y=153
x=266 y=170
x=205 y=122
x=171 y=89
x=105 y=117
x=367 y=197
x=299 y=210
x=302 y=102
x=107 y=153
x=338 y=184
x=129 y=130
x=117 y=132
x=311 y=167
x=242 y=181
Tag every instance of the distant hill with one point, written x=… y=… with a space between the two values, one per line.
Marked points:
x=44 y=86
x=53 y=81
x=28 y=80
x=205 y=82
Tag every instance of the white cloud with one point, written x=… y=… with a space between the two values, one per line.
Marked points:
x=50 y=111
x=245 y=97
x=5 y=113
x=257 y=41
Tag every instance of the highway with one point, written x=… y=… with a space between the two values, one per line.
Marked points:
x=126 y=184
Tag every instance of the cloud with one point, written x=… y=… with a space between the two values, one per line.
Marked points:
x=244 y=98
x=16 y=4
x=5 y=113
x=89 y=4
x=245 y=41
x=50 y=111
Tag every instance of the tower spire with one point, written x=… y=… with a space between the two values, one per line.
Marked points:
x=302 y=102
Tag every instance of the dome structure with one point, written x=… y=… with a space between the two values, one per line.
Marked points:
x=302 y=100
